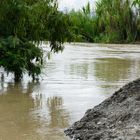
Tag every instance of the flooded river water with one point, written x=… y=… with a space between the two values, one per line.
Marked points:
x=72 y=82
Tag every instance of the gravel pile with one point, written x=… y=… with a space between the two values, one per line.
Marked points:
x=117 y=118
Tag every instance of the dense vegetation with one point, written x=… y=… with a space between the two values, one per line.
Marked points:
x=112 y=21
x=23 y=25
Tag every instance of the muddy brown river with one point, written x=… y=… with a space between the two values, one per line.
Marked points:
x=72 y=82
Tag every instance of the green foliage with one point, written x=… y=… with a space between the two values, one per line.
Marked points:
x=136 y=5
x=116 y=20
x=18 y=56
x=23 y=25
x=82 y=24
x=59 y=31
x=113 y=21
x=26 y=23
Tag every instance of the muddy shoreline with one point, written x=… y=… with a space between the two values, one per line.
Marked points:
x=117 y=118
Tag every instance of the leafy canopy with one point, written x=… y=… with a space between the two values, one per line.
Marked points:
x=112 y=21
x=23 y=25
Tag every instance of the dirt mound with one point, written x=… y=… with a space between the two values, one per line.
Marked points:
x=117 y=118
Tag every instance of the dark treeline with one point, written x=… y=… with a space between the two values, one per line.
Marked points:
x=112 y=21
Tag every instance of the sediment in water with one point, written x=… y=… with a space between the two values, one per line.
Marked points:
x=117 y=118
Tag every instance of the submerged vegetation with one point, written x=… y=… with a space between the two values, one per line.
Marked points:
x=24 y=24
x=112 y=21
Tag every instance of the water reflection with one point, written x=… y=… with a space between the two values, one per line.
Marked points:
x=24 y=117
x=72 y=82
x=84 y=69
x=15 y=105
x=112 y=73
x=58 y=117
x=113 y=69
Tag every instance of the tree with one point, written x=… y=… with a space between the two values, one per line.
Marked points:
x=136 y=5
x=113 y=21
x=116 y=21
x=23 y=25
x=83 y=25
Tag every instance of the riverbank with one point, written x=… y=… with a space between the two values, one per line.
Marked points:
x=118 y=117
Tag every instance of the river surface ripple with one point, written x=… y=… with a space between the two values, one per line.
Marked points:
x=72 y=82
